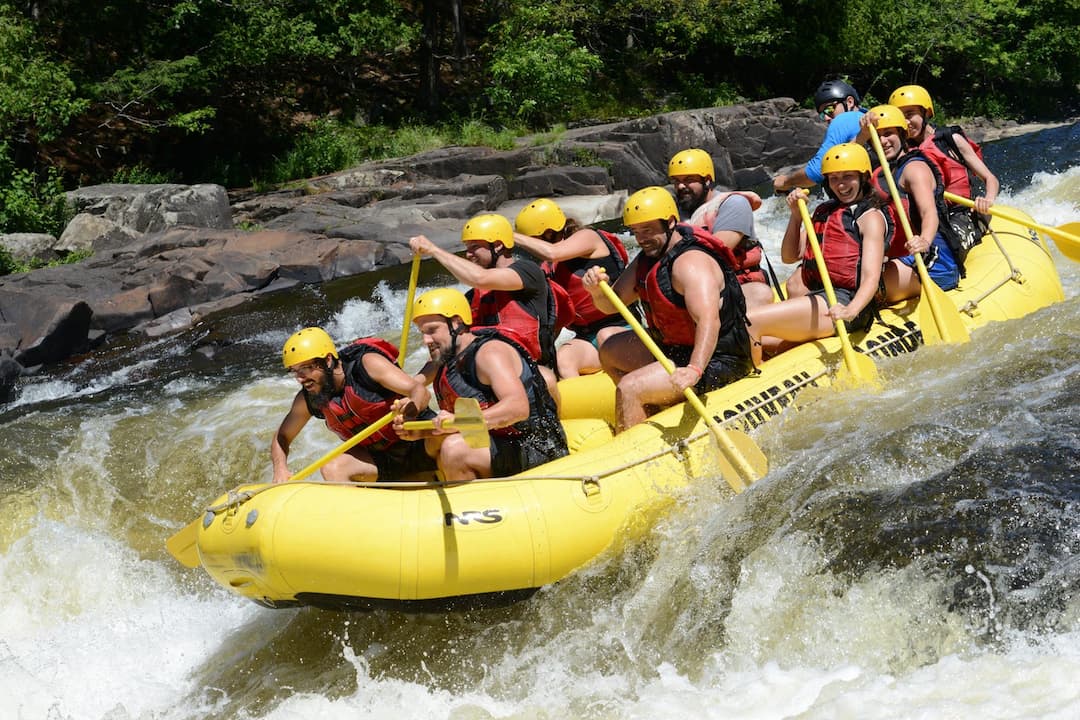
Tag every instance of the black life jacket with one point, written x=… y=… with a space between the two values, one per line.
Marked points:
x=458 y=378
x=957 y=244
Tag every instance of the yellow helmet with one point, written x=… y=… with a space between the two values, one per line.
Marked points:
x=913 y=95
x=308 y=344
x=889 y=116
x=691 y=162
x=845 y=156
x=447 y=302
x=538 y=217
x=651 y=203
x=489 y=228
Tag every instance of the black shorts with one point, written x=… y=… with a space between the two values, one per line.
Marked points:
x=511 y=455
x=721 y=370
x=404 y=460
x=865 y=318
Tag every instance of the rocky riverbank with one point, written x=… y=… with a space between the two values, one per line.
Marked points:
x=164 y=256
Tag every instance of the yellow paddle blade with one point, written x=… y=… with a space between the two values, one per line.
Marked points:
x=468 y=420
x=938 y=318
x=1067 y=238
x=182 y=545
x=858 y=371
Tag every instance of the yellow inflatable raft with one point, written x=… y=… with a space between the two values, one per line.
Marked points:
x=494 y=541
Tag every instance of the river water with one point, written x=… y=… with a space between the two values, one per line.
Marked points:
x=914 y=554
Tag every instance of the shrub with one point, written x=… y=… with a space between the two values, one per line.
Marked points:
x=32 y=204
x=540 y=79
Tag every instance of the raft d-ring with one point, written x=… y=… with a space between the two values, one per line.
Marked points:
x=678 y=449
x=590 y=486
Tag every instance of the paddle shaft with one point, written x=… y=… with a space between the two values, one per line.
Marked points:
x=928 y=290
x=736 y=458
x=1071 y=248
x=851 y=359
x=414 y=276
x=345 y=446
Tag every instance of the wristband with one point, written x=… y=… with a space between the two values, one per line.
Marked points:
x=696 y=369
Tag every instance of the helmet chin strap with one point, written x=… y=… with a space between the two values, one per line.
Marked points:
x=454 y=332
x=669 y=231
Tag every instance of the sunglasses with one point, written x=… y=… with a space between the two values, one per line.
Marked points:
x=830 y=110
x=305 y=370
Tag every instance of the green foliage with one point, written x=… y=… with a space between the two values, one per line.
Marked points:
x=29 y=203
x=139 y=175
x=207 y=90
x=538 y=79
x=37 y=94
x=9 y=265
x=326 y=146
x=477 y=133
x=330 y=145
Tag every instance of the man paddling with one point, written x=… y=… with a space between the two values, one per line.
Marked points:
x=496 y=370
x=350 y=390
x=694 y=307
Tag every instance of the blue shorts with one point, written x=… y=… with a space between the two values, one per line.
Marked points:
x=940 y=264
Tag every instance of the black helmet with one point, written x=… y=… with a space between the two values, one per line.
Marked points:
x=834 y=90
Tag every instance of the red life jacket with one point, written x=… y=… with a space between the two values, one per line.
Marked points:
x=747 y=265
x=567 y=274
x=837 y=229
x=458 y=378
x=665 y=309
x=954 y=173
x=500 y=309
x=944 y=142
x=363 y=401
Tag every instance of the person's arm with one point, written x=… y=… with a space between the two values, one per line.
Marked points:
x=393 y=378
x=498 y=365
x=734 y=221
x=625 y=286
x=290 y=427
x=585 y=243
x=466 y=271
x=917 y=180
x=843 y=128
x=795 y=179
x=793 y=246
x=977 y=166
x=697 y=277
x=872 y=229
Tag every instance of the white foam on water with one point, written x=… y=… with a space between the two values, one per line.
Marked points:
x=90 y=630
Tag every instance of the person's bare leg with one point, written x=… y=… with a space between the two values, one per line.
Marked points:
x=649 y=385
x=458 y=461
x=578 y=357
x=901 y=281
x=355 y=465
x=757 y=294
